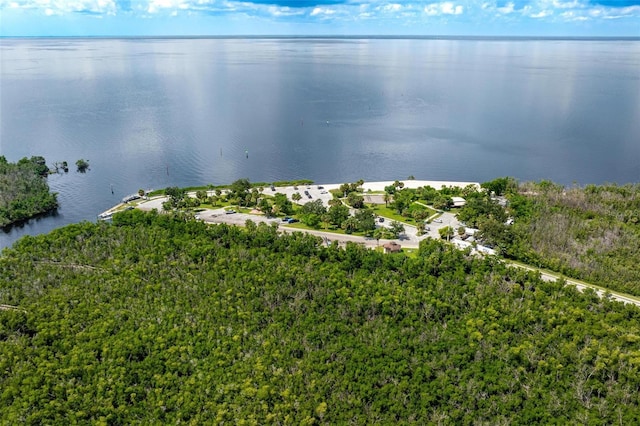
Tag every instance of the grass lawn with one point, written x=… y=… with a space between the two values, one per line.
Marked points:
x=390 y=213
x=422 y=204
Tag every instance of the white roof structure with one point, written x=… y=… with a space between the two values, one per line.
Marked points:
x=458 y=201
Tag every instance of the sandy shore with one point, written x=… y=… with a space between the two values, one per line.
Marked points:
x=437 y=184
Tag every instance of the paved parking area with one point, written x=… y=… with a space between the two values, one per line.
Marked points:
x=317 y=192
x=409 y=239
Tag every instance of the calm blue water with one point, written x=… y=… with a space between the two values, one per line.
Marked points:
x=151 y=113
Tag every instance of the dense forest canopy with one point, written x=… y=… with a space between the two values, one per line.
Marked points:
x=24 y=191
x=590 y=232
x=161 y=319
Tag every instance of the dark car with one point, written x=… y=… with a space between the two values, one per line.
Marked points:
x=381 y=219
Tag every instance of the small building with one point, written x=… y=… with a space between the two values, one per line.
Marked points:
x=392 y=247
x=458 y=201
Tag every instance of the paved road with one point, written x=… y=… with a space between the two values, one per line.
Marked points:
x=547 y=276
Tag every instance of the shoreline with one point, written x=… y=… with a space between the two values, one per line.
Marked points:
x=156 y=201
x=409 y=240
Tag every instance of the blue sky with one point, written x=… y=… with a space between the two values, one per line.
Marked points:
x=319 y=17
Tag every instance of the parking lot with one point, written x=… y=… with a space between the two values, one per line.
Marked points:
x=311 y=193
x=308 y=192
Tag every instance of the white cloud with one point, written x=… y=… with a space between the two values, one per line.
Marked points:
x=444 y=8
x=60 y=7
x=623 y=12
x=158 y=5
x=541 y=14
x=392 y=7
x=322 y=11
x=573 y=16
x=536 y=11
x=507 y=8
x=575 y=4
x=283 y=11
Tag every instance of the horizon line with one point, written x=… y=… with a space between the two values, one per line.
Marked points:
x=329 y=36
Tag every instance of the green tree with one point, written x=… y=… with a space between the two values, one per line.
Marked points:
x=82 y=165
x=387 y=198
x=176 y=196
x=239 y=190
x=338 y=213
x=365 y=220
x=316 y=207
x=283 y=203
x=442 y=202
x=446 y=232
x=396 y=228
x=500 y=186
x=402 y=200
x=355 y=200
x=201 y=195
x=265 y=207
x=379 y=233
x=350 y=225
x=311 y=219
x=24 y=191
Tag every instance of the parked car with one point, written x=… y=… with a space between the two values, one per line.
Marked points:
x=229 y=211
x=381 y=219
x=292 y=220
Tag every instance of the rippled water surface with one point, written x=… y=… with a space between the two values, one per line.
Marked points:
x=151 y=113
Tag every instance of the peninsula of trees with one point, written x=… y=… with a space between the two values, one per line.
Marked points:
x=161 y=319
x=24 y=192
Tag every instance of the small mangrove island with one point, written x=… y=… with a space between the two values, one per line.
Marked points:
x=24 y=191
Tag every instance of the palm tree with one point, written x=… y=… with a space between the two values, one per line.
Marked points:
x=334 y=202
x=387 y=199
x=350 y=225
x=378 y=234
